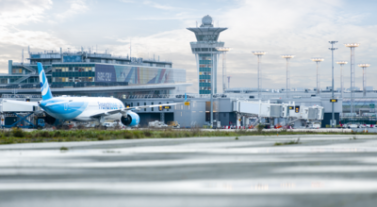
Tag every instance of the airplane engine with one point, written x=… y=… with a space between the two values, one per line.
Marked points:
x=131 y=119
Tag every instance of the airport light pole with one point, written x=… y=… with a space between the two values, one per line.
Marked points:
x=364 y=67
x=259 y=54
x=212 y=88
x=213 y=72
x=341 y=63
x=288 y=79
x=223 y=50
x=332 y=90
x=352 y=46
x=317 y=60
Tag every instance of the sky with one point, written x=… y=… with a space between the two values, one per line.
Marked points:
x=158 y=27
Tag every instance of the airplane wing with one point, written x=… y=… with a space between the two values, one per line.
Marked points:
x=107 y=113
x=124 y=111
x=150 y=106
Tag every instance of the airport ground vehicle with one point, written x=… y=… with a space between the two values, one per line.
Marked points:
x=174 y=124
x=157 y=124
x=314 y=126
x=351 y=125
x=109 y=124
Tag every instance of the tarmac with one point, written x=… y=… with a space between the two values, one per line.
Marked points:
x=321 y=170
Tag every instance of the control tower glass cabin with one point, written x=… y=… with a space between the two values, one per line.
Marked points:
x=206 y=53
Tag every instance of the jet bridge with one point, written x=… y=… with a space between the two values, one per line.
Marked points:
x=14 y=113
x=278 y=113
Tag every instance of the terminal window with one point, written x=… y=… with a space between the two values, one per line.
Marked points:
x=17 y=71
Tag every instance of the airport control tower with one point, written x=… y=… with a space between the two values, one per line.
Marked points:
x=207 y=50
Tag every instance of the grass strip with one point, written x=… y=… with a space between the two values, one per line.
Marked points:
x=19 y=136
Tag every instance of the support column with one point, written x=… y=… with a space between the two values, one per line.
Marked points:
x=162 y=117
x=238 y=120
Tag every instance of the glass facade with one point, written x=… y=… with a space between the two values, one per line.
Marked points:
x=360 y=104
x=79 y=75
x=75 y=75
x=205 y=65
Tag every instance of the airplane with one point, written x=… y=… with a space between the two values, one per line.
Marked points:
x=98 y=109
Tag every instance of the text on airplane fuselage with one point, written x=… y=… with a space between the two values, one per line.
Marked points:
x=109 y=105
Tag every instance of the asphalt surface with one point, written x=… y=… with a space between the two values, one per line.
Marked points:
x=323 y=170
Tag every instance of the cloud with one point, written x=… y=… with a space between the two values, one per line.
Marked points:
x=299 y=27
x=158 y=6
x=76 y=7
x=127 y=1
x=18 y=12
x=15 y=12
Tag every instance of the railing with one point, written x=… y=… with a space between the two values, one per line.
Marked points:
x=23 y=64
x=74 y=85
x=207 y=43
x=20 y=96
x=182 y=96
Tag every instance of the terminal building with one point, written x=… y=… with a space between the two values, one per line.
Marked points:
x=94 y=74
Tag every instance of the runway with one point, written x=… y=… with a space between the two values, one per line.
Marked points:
x=323 y=170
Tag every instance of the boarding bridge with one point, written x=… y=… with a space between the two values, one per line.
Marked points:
x=284 y=113
x=14 y=113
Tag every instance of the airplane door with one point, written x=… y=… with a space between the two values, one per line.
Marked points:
x=65 y=106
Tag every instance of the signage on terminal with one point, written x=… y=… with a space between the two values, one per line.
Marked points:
x=297 y=109
x=290 y=107
x=333 y=100
x=164 y=107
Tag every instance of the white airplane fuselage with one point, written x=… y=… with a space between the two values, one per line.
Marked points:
x=82 y=108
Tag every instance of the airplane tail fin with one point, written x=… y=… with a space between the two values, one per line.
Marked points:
x=45 y=88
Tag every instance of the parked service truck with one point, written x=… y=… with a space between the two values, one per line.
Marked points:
x=157 y=124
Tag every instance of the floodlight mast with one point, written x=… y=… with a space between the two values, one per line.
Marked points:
x=259 y=54
x=288 y=79
x=317 y=60
x=341 y=63
x=332 y=90
x=364 y=67
x=352 y=46
x=223 y=51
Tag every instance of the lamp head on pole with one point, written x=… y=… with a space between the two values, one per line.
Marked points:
x=352 y=45
x=223 y=49
x=341 y=62
x=317 y=59
x=259 y=53
x=363 y=65
x=287 y=56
